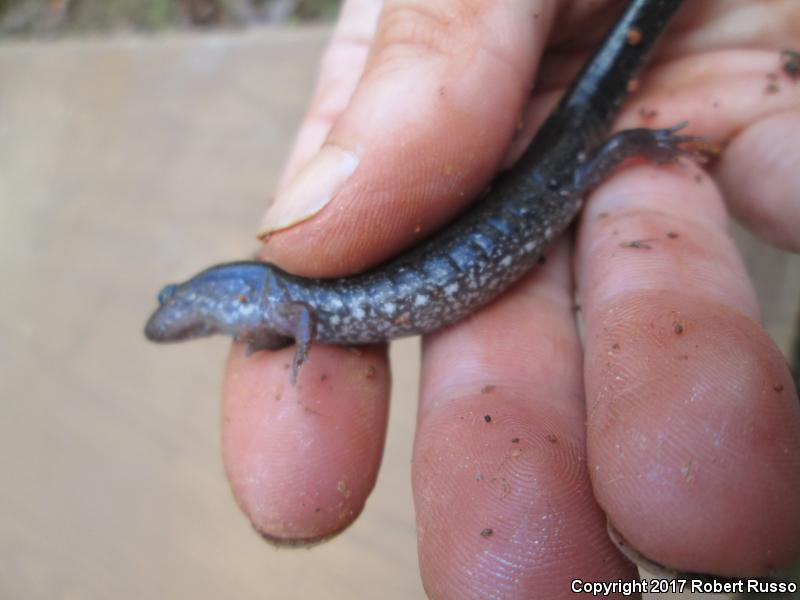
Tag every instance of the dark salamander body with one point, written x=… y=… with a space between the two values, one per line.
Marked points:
x=463 y=266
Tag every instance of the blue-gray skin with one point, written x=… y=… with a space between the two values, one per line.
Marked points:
x=463 y=266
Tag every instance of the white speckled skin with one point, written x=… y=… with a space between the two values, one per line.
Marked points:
x=465 y=265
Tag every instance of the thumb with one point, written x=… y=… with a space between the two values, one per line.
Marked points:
x=425 y=127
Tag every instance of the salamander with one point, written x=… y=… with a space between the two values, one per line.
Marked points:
x=466 y=264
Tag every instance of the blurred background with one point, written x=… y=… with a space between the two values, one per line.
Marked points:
x=141 y=140
x=58 y=17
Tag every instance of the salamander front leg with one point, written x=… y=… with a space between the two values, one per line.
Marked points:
x=305 y=324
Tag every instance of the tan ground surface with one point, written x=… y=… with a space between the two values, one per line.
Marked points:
x=124 y=164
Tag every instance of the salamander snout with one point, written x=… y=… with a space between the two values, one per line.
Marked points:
x=223 y=299
x=176 y=318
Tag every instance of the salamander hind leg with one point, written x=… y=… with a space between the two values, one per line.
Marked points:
x=661 y=146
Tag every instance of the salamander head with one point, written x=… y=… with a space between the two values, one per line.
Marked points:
x=227 y=299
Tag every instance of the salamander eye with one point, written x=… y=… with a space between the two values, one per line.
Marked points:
x=166 y=293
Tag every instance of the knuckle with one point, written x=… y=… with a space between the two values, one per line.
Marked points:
x=428 y=29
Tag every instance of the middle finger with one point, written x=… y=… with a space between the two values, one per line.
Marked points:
x=503 y=499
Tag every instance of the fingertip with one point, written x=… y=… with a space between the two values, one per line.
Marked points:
x=301 y=460
x=504 y=505
x=693 y=434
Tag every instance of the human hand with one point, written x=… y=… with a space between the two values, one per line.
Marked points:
x=677 y=419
